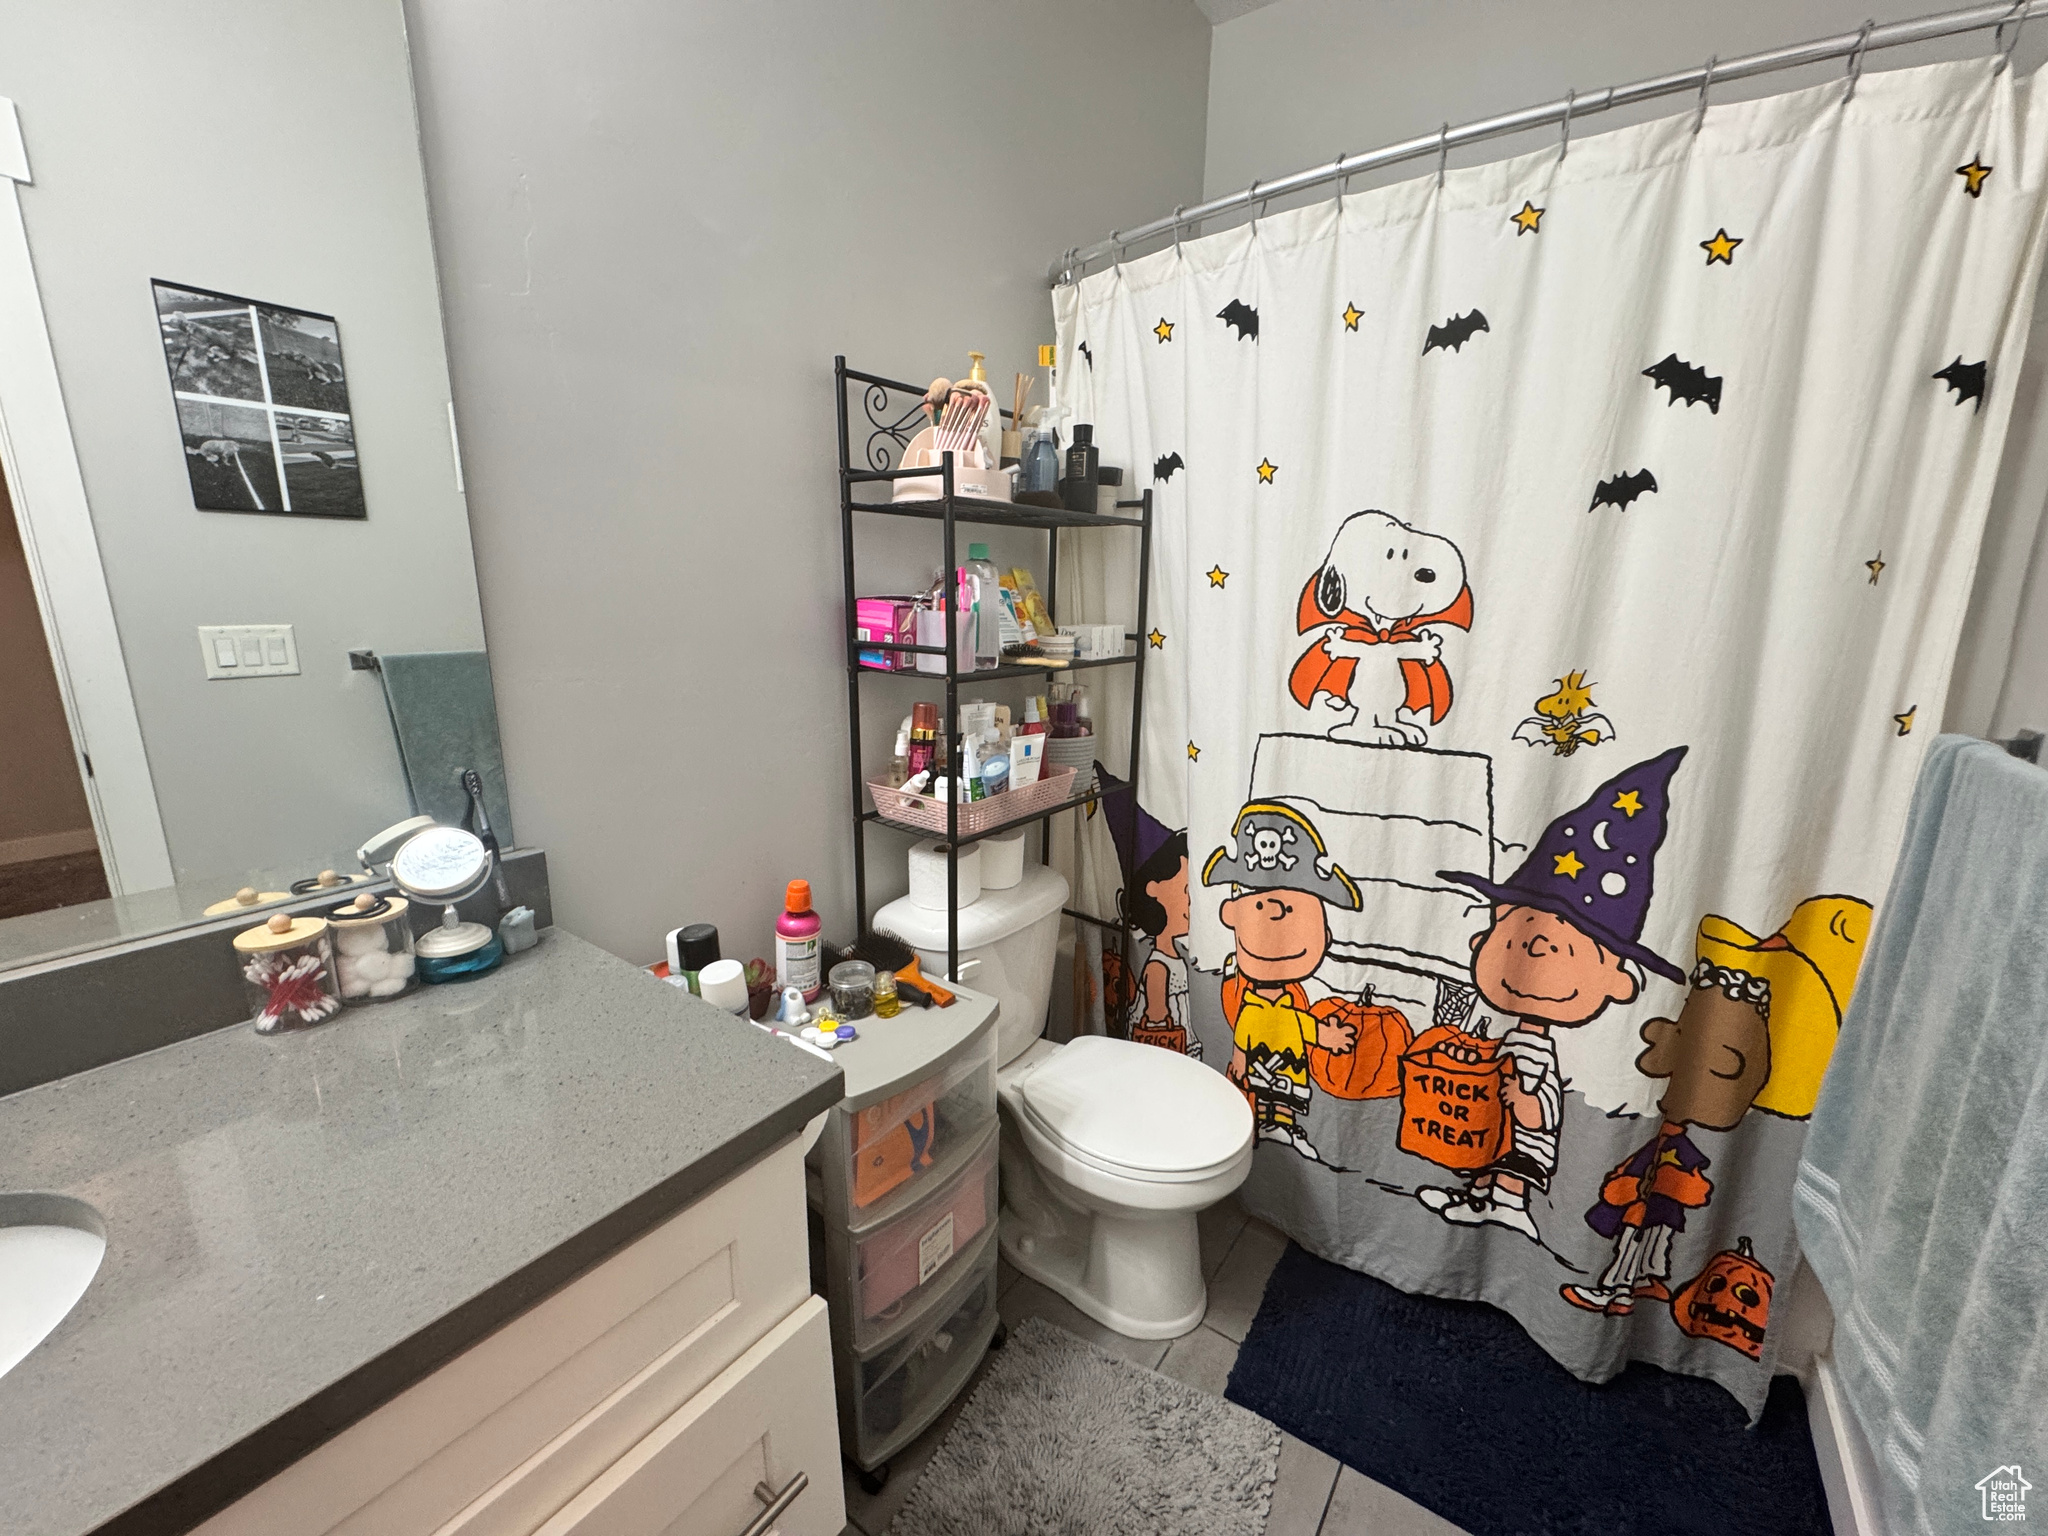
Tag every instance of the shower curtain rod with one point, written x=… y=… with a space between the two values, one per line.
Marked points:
x=1849 y=45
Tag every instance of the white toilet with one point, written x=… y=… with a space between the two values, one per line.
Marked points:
x=1109 y=1149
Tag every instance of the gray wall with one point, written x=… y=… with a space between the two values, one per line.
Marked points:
x=657 y=223
x=1302 y=81
x=267 y=150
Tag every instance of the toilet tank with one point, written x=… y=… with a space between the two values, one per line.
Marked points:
x=1013 y=933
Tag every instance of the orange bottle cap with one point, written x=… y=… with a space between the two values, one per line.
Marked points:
x=798 y=897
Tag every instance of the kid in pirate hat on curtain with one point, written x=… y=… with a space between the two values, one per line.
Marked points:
x=1563 y=942
x=1281 y=880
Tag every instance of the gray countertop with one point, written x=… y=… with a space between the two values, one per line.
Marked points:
x=299 y=1227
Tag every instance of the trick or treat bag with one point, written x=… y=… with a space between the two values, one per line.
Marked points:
x=1170 y=1036
x=1451 y=1111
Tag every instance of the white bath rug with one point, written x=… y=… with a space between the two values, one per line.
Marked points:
x=1064 y=1439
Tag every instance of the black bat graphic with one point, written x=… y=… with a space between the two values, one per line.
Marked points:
x=1089 y=355
x=1686 y=381
x=1241 y=315
x=1454 y=332
x=1966 y=379
x=1622 y=489
x=1162 y=469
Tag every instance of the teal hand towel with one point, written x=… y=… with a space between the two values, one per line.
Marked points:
x=1922 y=1194
x=446 y=720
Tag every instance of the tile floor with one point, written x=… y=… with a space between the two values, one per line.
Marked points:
x=1314 y=1496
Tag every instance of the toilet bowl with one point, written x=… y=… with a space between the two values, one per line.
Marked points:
x=1109 y=1149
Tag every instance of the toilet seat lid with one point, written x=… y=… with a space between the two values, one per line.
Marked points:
x=1137 y=1108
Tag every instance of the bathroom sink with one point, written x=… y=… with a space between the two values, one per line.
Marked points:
x=50 y=1248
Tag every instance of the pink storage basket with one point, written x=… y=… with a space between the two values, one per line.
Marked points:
x=912 y=809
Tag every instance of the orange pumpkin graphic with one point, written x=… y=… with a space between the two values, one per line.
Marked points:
x=1729 y=1301
x=1372 y=1068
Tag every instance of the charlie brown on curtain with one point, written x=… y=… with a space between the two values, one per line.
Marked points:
x=1557 y=574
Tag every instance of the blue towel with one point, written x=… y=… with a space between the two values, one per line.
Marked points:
x=446 y=719
x=1922 y=1195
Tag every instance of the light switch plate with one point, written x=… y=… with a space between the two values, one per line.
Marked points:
x=248 y=650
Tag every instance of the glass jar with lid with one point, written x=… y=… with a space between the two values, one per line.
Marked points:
x=373 y=953
x=288 y=972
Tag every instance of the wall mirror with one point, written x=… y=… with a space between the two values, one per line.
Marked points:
x=227 y=461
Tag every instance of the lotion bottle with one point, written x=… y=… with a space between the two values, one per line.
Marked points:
x=797 y=943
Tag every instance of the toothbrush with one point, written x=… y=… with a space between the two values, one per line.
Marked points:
x=473 y=784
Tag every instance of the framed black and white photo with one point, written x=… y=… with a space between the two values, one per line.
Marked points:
x=262 y=404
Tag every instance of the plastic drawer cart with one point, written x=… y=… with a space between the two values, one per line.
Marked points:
x=902 y=1185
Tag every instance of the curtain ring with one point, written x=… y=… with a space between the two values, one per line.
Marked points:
x=1177 y=207
x=1565 y=144
x=1856 y=60
x=1443 y=154
x=2018 y=17
x=1251 y=192
x=1343 y=181
x=1706 y=80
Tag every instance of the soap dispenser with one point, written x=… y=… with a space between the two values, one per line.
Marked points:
x=992 y=424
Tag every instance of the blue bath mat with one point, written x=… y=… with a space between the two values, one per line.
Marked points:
x=1452 y=1404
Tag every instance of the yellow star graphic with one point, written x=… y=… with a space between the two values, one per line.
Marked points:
x=1628 y=802
x=1194 y=752
x=1721 y=248
x=1526 y=221
x=1218 y=576
x=1567 y=864
x=1875 y=567
x=1267 y=469
x=1156 y=638
x=1973 y=176
x=1906 y=720
x=1164 y=329
x=1352 y=315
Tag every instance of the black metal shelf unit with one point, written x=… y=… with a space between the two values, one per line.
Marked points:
x=894 y=413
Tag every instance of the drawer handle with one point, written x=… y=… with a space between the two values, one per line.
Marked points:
x=778 y=1503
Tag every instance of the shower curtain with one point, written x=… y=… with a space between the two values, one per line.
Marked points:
x=1557 y=572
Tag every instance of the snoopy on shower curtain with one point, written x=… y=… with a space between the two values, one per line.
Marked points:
x=1376 y=672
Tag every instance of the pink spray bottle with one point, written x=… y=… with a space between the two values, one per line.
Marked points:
x=797 y=959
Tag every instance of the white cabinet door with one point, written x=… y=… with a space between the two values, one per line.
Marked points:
x=763 y=1424
x=500 y=1437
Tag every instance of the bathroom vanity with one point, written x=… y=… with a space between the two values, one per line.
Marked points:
x=522 y=1254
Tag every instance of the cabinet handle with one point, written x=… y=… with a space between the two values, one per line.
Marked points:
x=778 y=1503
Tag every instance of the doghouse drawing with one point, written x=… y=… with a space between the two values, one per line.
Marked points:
x=1392 y=817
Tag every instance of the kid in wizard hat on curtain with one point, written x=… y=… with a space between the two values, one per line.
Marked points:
x=1564 y=942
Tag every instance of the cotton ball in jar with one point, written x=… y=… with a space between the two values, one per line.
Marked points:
x=372 y=967
x=359 y=941
x=401 y=964
x=352 y=983
x=390 y=986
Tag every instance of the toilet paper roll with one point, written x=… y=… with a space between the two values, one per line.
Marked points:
x=928 y=874
x=1002 y=861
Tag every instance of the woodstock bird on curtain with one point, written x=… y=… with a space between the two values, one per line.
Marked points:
x=1557 y=572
